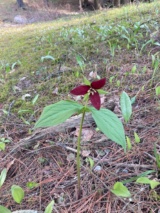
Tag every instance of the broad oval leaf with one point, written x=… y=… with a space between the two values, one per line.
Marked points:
x=120 y=190
x=3 y=176
x=126 y=106
x=145 y=180
x=154 y=184
x=110 y=125
x=2 y=146
x=4 y=210
x=49 y=208
x=57 y=113
x=17 y=193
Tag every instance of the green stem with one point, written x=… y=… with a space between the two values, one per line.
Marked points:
x=78 y=151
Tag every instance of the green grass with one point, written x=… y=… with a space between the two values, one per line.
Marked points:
x=87 y=36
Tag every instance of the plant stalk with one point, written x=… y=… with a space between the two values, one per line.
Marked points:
x=78 y=152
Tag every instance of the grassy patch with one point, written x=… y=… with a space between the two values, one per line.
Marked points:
x=41 y=59
x=99 y=38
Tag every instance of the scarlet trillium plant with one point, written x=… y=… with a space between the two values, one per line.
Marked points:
x=106 y=120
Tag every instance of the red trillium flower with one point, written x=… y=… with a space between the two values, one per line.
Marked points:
x=92 y=90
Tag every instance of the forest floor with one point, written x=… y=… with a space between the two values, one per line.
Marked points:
x=39 y=64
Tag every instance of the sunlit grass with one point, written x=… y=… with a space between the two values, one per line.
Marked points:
x=91 y=35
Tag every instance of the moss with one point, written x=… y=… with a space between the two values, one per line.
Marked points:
x=18 y=104
x=4 y=93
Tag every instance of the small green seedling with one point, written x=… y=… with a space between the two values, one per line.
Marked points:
x=47 y=57
x=80 y=62
x=3 y=176
x=126 y=106
x=136 y=138
x=155 y=65
x=34 y=100
x=129 y=145
x=91 y=162
x=157 y=89
x=157 y=156
x=143 y=174
x=118 y=83
x=133 y=70
x=17 y=193
x=112 y=47
x=120 y=190
x=3 y=142
x=2 y=146
x=111 y=79
x=144 y=180
x=32 y=185
x=49 y=208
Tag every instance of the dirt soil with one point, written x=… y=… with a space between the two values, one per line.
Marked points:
x=36 y=11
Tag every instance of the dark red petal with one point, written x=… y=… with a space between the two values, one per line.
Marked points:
x=80 y=90
x=95 y=100
x=98 y=84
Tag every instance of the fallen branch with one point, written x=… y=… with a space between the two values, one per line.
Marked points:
x=42 y=134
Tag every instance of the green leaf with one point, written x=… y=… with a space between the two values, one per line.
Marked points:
x=91 y=162
x=47 y=57
x=129 y=145
x=86 y=97
x=133 y=100
x=145 y=180
x=32 y=185
x=57 y=113
x=154 y=184
x=157 y=156
x=5 y=112
x=14 y=65
x=157 y=90
x=80 y=62
x=136 y=177
x=3 y=176
x=4 y=140
x=136 y=138
x=126 y=106
x=101 y=91
x=2 y=146
x=4 y=210
x=110 y=125
x=35 y=99
x=120 y=190
x=77 y=74
x=25 y=111
x=86 y=81
x=49 y=208
x=17 y=193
